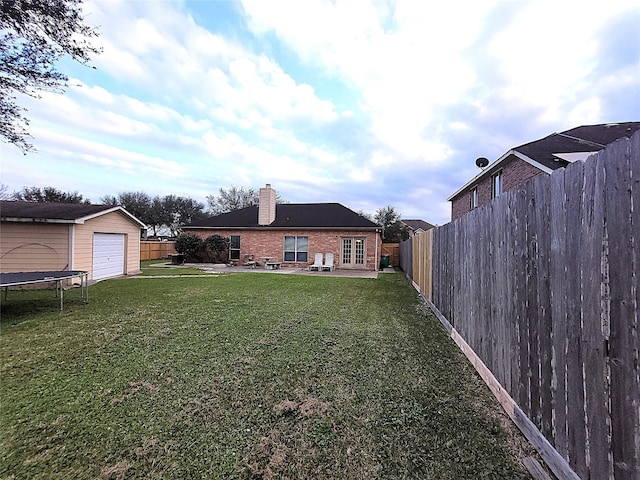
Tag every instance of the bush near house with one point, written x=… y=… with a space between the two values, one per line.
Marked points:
x=214 y=249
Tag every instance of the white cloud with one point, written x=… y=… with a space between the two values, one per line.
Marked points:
x=404 y=57
x=329 y=99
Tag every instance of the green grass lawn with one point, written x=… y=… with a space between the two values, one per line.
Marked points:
x=250 y=375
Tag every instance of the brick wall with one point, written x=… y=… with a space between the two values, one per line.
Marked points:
x=514 y=172
x=270 y=243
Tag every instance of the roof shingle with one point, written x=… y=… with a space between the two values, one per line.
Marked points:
x=46 y=210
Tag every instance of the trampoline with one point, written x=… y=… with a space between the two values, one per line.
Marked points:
x=15 y=279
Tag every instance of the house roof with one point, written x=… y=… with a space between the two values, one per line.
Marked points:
x=418 y=224
x=587 y=138
x=559 y=149
x=291 y=216
x=46 y=212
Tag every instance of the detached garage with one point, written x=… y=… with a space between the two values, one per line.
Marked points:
x=101 y=239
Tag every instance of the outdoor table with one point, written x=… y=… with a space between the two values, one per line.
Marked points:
x=265 y=260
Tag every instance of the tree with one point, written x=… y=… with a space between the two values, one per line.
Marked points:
x=156 y=218
x=137 y=204
x=177 y=211
x=235 y=198
x=232 y=199
x=219 y=246
x=169 y=211
x=396 y=232
x=48 y=194
x=393 y=230
x=364 y=214
x=4 y=192
x=189 y=244
x=35 y=34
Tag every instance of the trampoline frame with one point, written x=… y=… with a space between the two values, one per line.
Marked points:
x=14 y=279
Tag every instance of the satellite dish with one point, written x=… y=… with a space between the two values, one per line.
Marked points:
x=482 y=162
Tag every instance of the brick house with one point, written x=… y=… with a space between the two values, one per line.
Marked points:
x=535 y=158
x=292 y=233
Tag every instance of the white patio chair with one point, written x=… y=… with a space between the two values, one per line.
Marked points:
x=328 y=262
x=317 y=263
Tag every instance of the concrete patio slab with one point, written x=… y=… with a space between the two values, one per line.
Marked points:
x=221 y=268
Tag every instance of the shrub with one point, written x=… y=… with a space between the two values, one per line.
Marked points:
x=218 y=247
x=190 y=245
x=217 y=243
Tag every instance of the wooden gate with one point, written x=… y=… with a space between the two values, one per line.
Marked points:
x=393 y=250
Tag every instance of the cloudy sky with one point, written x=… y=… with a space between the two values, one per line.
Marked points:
x=366 y=103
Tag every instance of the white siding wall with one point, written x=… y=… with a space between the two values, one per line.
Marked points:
x=113 y=222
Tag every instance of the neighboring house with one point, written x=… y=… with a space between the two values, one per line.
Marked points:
x=417 y=226
x=292 y=233
x=101 y=239
x=539 y=157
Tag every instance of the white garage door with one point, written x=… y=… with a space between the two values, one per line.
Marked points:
x=108 y=255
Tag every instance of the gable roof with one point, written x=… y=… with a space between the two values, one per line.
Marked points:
x=559 y=149
x=587 y=138
x=50 y=212
x=417 y=225
x=290 y=216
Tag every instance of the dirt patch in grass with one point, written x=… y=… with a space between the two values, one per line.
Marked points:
x=312 y=406
x=117 y=471
x=247 y=360
x=285 y=407
x=135 y=387
x=307 y=405
x=267 y=458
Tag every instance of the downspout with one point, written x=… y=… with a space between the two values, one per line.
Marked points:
x=72 y=246
x=377 y=260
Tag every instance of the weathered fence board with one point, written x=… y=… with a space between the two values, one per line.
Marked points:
x=541 y=206
x=626 y=453
x=558 y=296
x=542 y=286
x=575 y=385
x=593 y=274
x=622 y=327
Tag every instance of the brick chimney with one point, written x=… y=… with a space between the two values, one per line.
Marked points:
x=267 y=205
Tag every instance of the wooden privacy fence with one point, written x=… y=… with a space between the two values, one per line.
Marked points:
x=393 y=250
x=155 y=250
x=542 y=284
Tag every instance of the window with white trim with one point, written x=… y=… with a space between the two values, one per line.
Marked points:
x=296 y=249
x=473 y=198
x=496 y=184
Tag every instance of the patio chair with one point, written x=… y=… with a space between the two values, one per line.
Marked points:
x=328 y=262
x=317 y=263
x=249 y=262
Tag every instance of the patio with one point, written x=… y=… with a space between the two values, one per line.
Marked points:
x=222 y=268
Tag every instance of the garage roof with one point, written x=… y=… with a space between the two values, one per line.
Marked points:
x=45 y=212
